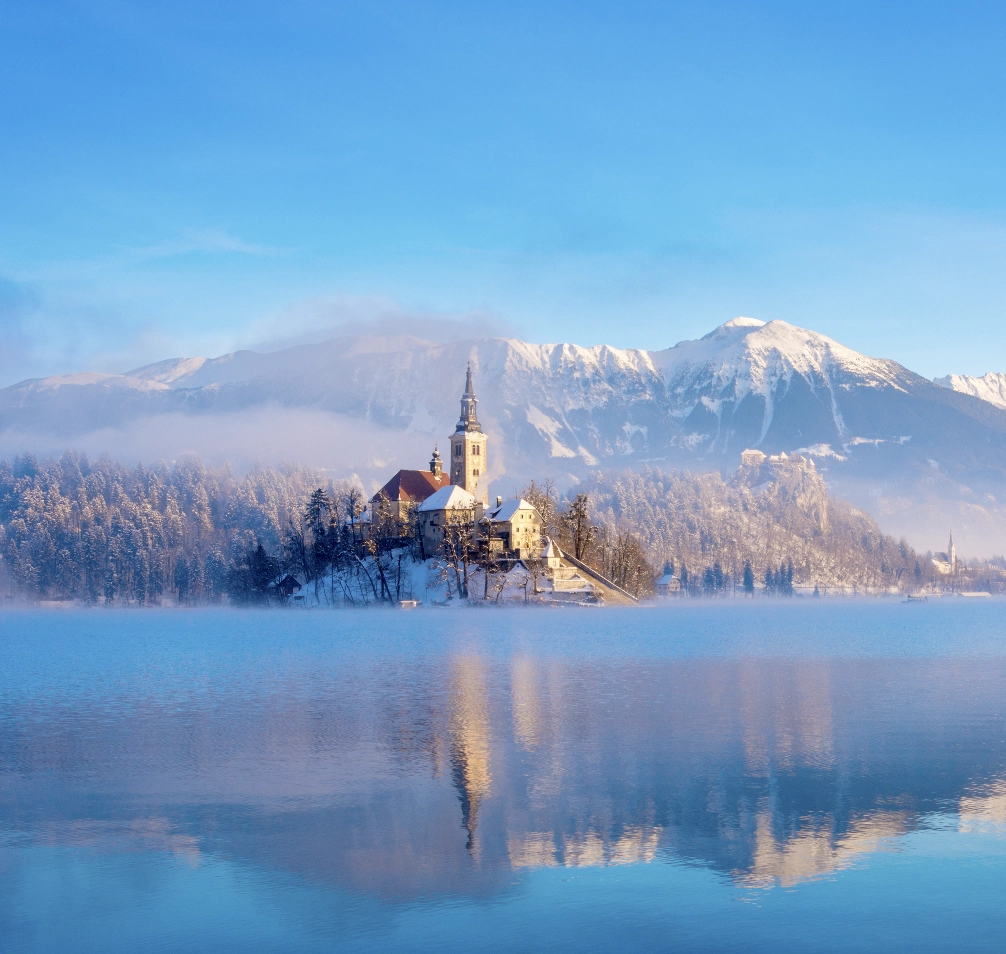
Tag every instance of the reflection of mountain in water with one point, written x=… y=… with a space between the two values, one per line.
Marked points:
x=413 y=779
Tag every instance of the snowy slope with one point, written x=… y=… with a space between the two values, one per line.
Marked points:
x=367 y=405
x=743 y=372
x=746 y=384
x=989 y=387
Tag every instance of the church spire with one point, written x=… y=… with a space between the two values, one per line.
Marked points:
x=468 y=420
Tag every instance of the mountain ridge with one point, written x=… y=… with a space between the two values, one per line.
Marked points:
x=919 y=456
x=989 y=387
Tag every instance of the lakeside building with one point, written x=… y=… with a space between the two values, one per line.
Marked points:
x=515 y=526
x=946 y=563
x=452 y=506
x=459 y=497
x=667 y=584
x=467 y=469
x=451 y=511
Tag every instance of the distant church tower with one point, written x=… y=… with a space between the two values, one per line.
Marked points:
x=468 y=448
x=952 y=554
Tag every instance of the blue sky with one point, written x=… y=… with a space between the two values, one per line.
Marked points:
x=188 y=178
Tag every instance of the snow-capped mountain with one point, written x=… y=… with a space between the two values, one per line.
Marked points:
x=748 y=380
x=892 y=440
x=989 y=387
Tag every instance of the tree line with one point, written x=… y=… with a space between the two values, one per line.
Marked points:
x=99 y=531
x=774 y=528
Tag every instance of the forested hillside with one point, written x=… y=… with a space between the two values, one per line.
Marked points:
x=104 y=533
x=771 y=514
x=98 y=531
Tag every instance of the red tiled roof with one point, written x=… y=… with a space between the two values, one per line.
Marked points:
x=412 y=486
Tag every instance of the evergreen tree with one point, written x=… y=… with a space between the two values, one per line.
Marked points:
x=182 y=576
x=748 y=579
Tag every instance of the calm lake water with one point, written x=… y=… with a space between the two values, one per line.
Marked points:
x=826 y=776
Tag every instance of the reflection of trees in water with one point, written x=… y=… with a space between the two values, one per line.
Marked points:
x=526 y=700
x=983 y=807
x=817 y=849
x=468 y=727
x=594 y=849
x=774 y=772
x=786 y=713
x=771 y=772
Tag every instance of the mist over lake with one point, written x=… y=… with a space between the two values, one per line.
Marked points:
x=698 y=776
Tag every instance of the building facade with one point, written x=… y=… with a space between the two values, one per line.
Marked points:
x=451 y=510
x=517 y=527
x=469 y=465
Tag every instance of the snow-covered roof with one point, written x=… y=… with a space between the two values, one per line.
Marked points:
x=507 y=510
x=666 y=579
x=448 y=498
x=551 y=552
x=412 y=485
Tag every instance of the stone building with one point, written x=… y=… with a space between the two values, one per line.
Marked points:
x=517 y=526
x=451 y=506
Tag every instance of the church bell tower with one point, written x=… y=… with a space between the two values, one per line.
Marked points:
x=468 y=448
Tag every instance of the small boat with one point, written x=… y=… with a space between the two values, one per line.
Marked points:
x=916 y=599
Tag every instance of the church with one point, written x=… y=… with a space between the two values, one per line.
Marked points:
x=946 y=563
x=460 y=495
x=467 y=469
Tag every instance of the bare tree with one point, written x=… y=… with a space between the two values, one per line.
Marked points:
x=544 y=498
x=460 y=543
x=354 y=511
x=534 y=570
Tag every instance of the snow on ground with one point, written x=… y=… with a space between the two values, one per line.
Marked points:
x=435 y=584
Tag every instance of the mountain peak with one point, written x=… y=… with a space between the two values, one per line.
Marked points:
x=746 y=356
x=989 y=387
x=742 y=322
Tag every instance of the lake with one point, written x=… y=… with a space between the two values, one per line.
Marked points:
x=798 y=776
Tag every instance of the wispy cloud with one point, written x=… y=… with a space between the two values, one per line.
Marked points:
x=53 y=328
x=216 y=241
x=337 y=316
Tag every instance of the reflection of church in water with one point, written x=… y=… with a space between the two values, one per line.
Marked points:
x=469 y=731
